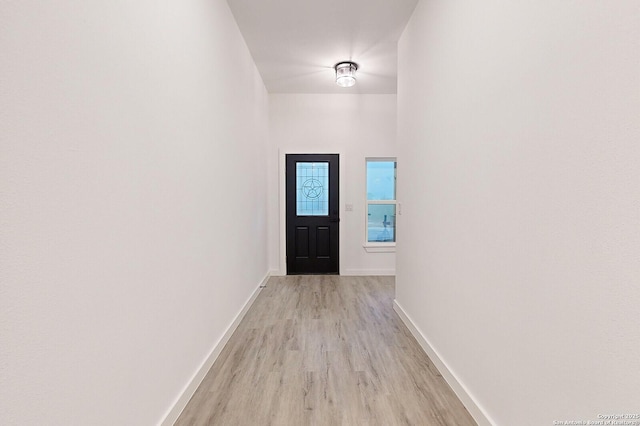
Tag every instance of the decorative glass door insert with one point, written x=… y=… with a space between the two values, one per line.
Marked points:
x=312 y=189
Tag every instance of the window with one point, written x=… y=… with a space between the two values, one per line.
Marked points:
x=381 y=202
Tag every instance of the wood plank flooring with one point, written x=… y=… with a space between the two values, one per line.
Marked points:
x=324 y=350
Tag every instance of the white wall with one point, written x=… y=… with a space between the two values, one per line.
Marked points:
x=354 y=126
x=519 y=130
x=132 y=203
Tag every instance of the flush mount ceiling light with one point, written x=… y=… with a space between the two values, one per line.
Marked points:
x=346 y=73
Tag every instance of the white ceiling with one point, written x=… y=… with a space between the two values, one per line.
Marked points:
x=296 y=43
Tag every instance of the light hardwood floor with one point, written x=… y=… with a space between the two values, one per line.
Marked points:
x=324 y=350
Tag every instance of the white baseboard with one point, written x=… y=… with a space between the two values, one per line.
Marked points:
x=369 y=272
x=197 y=378
x=476 y=411
x=347 y=272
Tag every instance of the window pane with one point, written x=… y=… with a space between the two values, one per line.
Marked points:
x=312 y=189
x=381 y=180
x=381 y=223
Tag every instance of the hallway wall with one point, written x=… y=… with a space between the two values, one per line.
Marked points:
x=132 y=203
x=518 y=131
x=355 y=126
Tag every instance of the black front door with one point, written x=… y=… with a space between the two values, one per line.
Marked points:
x=312 y=213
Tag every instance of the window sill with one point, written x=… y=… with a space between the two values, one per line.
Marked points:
x=380 y=247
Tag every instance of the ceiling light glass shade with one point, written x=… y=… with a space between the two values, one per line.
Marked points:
x=346 y=74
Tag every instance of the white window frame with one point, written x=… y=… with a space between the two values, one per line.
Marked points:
x=377 y=247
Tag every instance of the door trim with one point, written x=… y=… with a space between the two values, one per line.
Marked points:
x=282 y=198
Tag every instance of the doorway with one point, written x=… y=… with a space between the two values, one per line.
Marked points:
x=312 y=220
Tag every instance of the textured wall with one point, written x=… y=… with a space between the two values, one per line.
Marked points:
x=132 y=203
x=518 y=136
